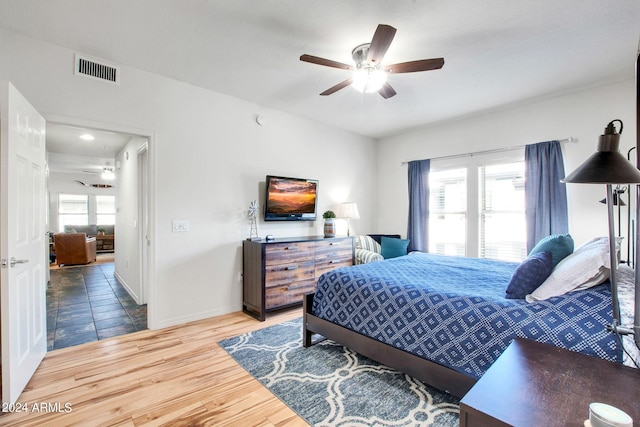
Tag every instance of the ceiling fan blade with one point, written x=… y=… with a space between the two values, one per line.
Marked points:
x=387 y=91
x=326 y=62
x=413 y=66
x=337 y=87
x=380 y=42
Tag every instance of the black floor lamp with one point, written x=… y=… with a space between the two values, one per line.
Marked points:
x=607 y=166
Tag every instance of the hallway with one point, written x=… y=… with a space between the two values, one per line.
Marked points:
x=87 y=303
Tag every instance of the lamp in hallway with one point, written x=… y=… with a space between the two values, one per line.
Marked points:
x=348 y=211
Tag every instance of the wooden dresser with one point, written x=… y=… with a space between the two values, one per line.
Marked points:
x=277 y=273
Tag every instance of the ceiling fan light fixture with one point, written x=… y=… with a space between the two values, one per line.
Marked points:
x=107 y=174
x=368 y=79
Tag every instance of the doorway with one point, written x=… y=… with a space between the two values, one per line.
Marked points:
x=106 y=297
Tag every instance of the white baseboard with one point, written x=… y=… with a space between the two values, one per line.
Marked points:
x=124 y=284
x=192 y=317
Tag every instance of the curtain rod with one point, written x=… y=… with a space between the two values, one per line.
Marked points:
x=497 y=150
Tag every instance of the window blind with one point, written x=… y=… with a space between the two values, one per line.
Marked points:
x=502 y=212
x=448 y=211
x=106 y=210
x=73 y=209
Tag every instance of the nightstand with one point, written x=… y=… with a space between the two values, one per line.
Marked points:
x=534 y=384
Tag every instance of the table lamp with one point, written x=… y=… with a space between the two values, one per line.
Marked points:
x=348 y=211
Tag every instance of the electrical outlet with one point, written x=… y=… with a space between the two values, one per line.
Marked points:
x=179 y=226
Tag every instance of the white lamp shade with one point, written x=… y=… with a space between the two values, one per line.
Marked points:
x=347 y=210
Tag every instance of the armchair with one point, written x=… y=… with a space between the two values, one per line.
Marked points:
x=74 y=248
x=368 y=248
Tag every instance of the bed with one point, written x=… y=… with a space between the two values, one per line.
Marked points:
x=445 y=320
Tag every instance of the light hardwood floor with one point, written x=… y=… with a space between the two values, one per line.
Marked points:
x=177 y=376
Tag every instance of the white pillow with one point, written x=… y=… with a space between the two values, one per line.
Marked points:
x=588 y=266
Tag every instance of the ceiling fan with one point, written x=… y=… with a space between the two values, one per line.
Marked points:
x=94 y=185
x=369 y=75
x=107 y=172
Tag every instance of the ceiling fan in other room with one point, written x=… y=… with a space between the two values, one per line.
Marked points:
x=107 y=174
x=94 y=185
x=369 y=75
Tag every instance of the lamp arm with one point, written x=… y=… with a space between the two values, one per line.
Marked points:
x=629 y=236
x=613 y=260
x=636 y=312
x=636 y=309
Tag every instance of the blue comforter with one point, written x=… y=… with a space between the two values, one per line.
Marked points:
x=452 y=310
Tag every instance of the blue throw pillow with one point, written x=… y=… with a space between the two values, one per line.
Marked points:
x=560 y=246
x=392 y=248
x=530 y=274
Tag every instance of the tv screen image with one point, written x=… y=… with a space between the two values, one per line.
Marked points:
x=290 y=199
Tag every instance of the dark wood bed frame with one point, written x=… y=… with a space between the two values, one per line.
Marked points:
x=431 y=373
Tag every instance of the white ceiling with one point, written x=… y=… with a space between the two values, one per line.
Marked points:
x=497 y=52
x=68 y=153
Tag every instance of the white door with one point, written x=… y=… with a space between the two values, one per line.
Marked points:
x=22 y=241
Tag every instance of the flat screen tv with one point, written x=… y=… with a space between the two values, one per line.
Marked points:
x=290 y=199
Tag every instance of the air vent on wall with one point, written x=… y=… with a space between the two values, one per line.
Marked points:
x=96 y=69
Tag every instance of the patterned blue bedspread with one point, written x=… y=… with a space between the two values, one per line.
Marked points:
x=452 y=310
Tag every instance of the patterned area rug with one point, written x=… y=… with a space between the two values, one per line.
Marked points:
x=329 y=385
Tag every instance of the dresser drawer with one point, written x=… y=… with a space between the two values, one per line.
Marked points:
x=282 y=253
x=330 y=264
x=333 y=253
x=276 y=275
x=288 y=294
x=334 y=248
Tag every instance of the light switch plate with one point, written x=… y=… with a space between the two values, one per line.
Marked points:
x=179 y=226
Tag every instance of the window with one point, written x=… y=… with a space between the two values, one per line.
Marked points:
x=447 y=212
x=106 y=210
x=502 y=215
x=476 y=206
x=73 y=209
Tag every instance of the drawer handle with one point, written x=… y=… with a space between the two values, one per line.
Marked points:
x=290 y=248
x=293 y=288
x=333 y=244
x=291 y=267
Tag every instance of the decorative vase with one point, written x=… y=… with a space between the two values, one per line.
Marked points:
x=329 y=227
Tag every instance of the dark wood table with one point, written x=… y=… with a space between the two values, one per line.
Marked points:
x=535 y=384
x=104 y=243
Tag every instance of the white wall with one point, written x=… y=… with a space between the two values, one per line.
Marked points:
x=582 y=115
x=208 y=159
x=127 y=248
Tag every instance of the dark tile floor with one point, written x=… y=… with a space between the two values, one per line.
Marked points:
x=87 y=303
